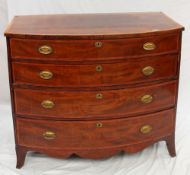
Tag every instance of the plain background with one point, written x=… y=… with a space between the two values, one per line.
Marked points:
x=153 y=160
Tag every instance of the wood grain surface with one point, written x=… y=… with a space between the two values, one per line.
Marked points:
x=78 y=135
x=104 y=25
x=91 y=113
x=87 y=75
x=85 y=105
x=84 y=50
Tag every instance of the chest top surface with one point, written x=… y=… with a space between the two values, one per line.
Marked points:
x=91 y=25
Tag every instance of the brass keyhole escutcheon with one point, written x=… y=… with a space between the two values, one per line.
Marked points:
x=146 y=99
x=99 y=96
x=49 y=135
x=98 y=44
x=47 y=104
x=146 y=129
x=148 y=70
x=99 y=68
x=99 y=125
x=46 y=75
x=149 y=46
x=45 y=50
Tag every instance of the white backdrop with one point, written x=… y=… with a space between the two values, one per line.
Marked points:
x=153 y=160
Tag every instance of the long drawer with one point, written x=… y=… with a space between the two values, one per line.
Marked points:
x=127 y=72
x=81 y=50
x=94 y=134
x=94 y=104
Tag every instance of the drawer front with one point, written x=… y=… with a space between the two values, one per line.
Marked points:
x=128 y=72
x=80 y=50
x=94 y=104
x=94 y=134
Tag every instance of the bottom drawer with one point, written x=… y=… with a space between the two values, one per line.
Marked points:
x=94 y=134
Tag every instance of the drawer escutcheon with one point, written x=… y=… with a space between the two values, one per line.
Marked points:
x=98 y=44
x=99 y=68
x=45 y=50
x=99 y=96
x=149 y=46
x=49 y=135
x=146 y=129
x=46 y=75
x=47 y=104
x=99 y=125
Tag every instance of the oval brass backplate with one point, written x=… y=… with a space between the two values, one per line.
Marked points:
x=98 y=44
x=146 y=99
x=99 y=96
x=49 y=135
x=146 y=129
x=47 y=104
x=99 y=125
x=46 y=75
x=46 y=50
x=99 y=68
x=149 y=46
x=148 y=70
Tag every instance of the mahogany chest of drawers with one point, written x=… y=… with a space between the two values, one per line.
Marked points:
x=93 y=85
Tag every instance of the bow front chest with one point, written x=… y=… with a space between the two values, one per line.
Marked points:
x=93 y=85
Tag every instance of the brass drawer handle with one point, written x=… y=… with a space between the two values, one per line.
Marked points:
x=49 y=135
x=99 y=125
x=99 y=96
x=99 y=68
x=47 y=104
x=46 y=50
x=146 y=129
x=46 y=75
x=98 y=44
x=146 y=99
x=149 y=46
x=148 y=70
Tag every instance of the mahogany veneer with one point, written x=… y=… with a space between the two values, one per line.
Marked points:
x=79 y=134
x=83 y=104
x=93 y=85
x=67 y=50
x=85 y=75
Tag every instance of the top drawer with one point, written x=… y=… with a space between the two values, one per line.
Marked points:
x=80 y=50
